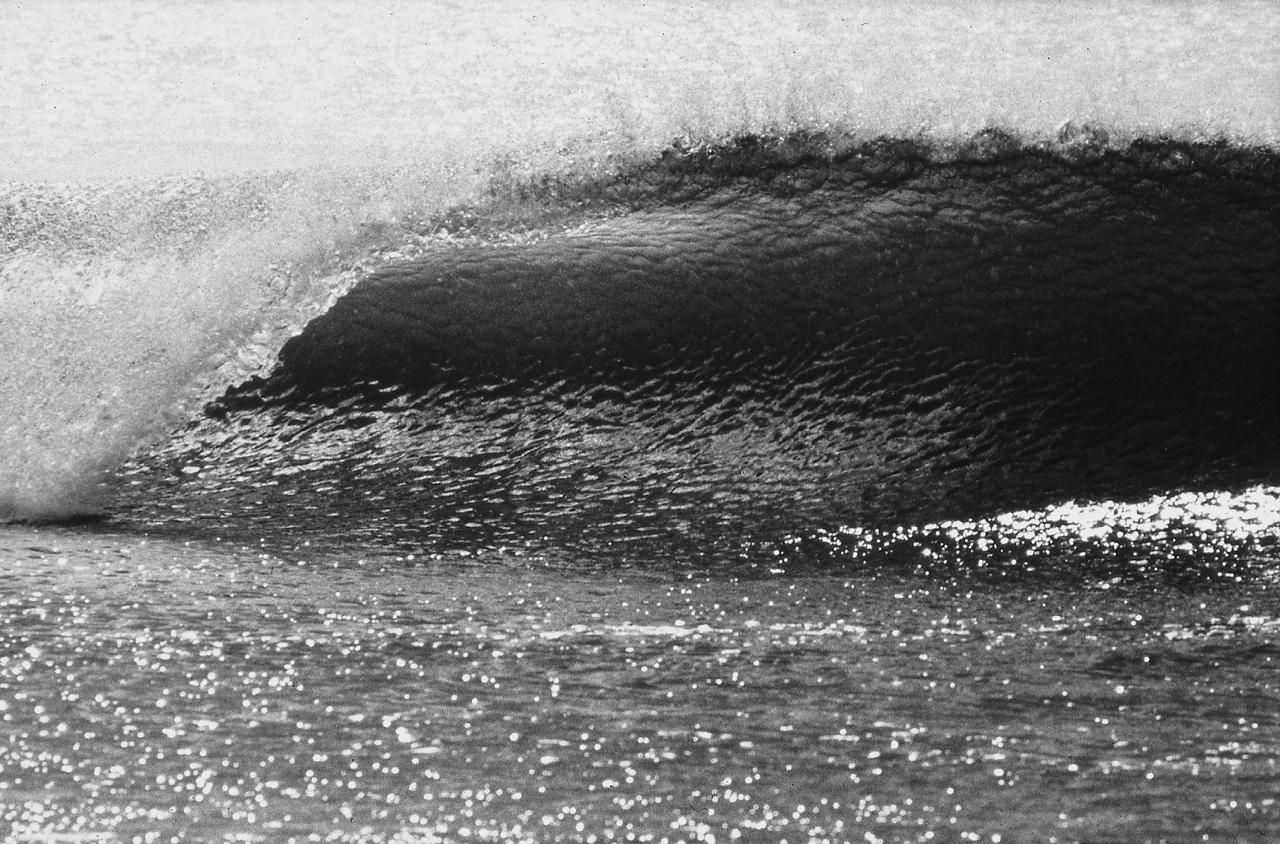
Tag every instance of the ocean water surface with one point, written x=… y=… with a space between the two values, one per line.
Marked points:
x=422 y=423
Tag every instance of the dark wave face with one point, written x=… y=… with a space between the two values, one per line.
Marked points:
x=769 y=337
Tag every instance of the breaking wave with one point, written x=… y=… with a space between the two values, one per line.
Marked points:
x=754 y=337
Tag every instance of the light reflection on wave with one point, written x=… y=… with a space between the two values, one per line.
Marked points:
x=1208 y=536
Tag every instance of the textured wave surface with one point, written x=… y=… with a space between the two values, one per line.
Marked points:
x=779 y=335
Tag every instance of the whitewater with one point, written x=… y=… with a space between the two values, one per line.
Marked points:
x=421 y=422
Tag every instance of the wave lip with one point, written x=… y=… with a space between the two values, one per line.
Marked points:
x=789 y=331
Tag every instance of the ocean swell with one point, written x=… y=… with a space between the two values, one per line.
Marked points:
x=777 y=333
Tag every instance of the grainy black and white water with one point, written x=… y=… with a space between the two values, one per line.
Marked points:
x=198 y=690
x=421 y=423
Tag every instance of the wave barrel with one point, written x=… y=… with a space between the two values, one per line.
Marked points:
x=770 y=331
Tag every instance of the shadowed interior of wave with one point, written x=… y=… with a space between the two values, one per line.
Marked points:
x=775 y=335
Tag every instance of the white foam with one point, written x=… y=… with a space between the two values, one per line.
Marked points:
x=153 y=87
x=124 y=306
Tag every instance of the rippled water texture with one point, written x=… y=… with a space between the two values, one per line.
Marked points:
x=157 y=691
x=764 y=338
x=794 y=424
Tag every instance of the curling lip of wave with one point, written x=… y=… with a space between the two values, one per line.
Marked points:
x=691 y=229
